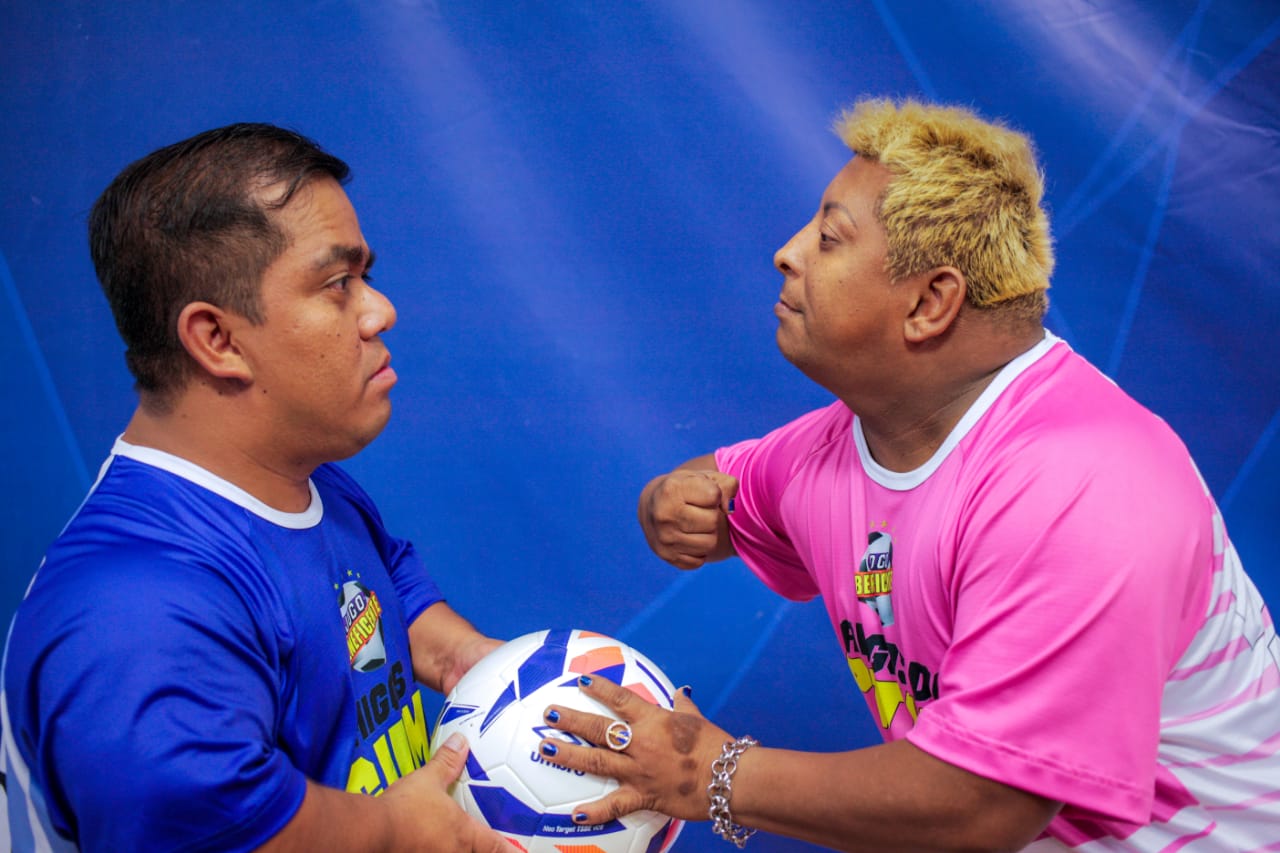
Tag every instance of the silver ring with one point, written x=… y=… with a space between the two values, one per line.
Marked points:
x=618 y=736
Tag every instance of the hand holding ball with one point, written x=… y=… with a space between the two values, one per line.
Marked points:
x=498 y=706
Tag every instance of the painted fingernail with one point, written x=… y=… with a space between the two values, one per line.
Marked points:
x=553 y=716
x=584 y=680
x=549 y=750
x=731 y=500
x=580 y=817
x=687 y=690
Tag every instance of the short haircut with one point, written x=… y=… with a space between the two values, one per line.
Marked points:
x=190 y=223
x=964 y=192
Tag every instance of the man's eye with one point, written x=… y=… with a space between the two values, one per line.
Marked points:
x=344 y=283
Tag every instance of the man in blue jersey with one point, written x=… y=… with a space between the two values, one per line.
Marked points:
x=222 y=650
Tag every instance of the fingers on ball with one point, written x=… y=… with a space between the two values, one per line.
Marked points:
x=617 y=804
x=589 y=759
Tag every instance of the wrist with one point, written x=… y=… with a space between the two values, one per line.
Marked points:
x=720 y=792
x=466 y=654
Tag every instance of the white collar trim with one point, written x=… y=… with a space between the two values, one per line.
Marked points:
x=904 y=480
x=187 y=470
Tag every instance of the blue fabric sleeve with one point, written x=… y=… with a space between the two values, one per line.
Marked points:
x=192 y=677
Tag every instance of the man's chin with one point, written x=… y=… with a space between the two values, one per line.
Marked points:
x=360 y=440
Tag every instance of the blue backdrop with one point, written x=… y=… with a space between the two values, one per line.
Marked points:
x=575 y=207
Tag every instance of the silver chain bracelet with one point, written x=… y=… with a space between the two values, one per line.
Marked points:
x=721 y=788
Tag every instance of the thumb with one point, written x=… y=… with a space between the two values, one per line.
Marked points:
x=448 y=759
x=446 y=766
x=488 y=841
x=728 y=489
x=684 y=703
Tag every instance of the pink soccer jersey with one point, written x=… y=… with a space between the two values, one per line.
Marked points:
x=1050 y=601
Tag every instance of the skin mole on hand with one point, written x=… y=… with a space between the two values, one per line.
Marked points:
x=684 y=732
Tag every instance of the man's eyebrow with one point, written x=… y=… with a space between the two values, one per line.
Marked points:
x=357 y=255
x=835 y=205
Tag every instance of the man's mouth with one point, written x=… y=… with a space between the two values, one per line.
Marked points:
x=384 y=370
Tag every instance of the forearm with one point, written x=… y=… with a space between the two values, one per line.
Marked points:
x=891 y=797
x=444 y=646
x=413 y=814
x=330 y=819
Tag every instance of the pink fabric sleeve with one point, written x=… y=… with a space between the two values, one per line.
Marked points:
x=1071 y=601
x=764 y=467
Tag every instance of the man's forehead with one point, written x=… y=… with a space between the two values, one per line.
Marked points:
x=861 y=177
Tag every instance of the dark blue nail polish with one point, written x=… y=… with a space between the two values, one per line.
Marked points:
x=549 y=750
x=731 y=500
x=580 y=817
x=687 y=691
x=584 y=680
x=553 y=716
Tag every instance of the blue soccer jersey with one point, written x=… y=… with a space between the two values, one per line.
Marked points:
x=187 y=656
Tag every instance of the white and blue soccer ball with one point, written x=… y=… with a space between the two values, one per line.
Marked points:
x=498 y=705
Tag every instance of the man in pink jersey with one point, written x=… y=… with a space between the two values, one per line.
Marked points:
x=1027 y=576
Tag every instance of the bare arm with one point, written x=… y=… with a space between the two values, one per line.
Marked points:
x=893 y=796
x=890 y=797
x=445 y=646
x=684 y=514
x=415 y=813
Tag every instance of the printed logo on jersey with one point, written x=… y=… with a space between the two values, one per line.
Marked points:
x=874 y=579
x=882 y=672
x=362 y=618
x=880 y=669
x=393 y=729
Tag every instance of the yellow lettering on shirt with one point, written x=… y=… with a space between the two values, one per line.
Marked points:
x=403 y=748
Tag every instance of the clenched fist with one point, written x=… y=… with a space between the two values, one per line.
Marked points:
x=684 y=514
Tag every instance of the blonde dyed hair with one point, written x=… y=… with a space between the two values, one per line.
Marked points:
x=965 y=192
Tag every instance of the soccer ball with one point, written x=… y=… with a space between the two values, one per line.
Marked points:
x=498 y=706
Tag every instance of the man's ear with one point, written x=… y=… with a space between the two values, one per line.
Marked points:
x=940 y=294
x=207 y=333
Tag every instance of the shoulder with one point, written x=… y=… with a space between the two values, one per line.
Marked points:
x=1066 y=414
x=812 y=451
x=1066 y=450
x=138 y=499
x=799 y=438
x=144 y=548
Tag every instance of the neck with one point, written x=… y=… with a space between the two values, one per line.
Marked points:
x=904 y=430
x=904 y=437
x=201 y=432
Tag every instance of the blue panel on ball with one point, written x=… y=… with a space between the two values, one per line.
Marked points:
x=659 y=838
x=545 y=665
x=499 y=705
x=453 y=711
x=657 y=682
x=613 y=673
x=475 y=770
x=504 y=812
x=562 y=826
